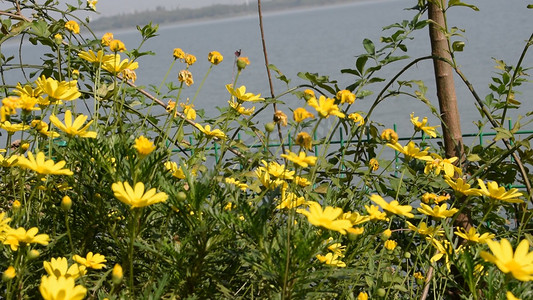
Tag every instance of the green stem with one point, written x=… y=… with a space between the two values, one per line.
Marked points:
x=202 y=83
x=69 y=233
x=133 y=233
x=399 y=185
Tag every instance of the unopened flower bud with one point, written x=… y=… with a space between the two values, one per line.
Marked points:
x=75 y=74
x=308 y=94
x=66 y=203
x=181 y=196
x=269 y=127
x=386 y=234
x=33 y=254
x=117 y=274
x=58 y=39
x=9 y=273
x=15 y=205
x=381 y=292
x=242 y=62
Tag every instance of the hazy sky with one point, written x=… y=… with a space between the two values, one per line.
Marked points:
x=113 y=7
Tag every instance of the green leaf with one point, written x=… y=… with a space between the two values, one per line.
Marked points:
x=402 y=47
x=459 y=3
x=363 y=93
x=280 y=75
x=376 y=79
x=40 y=28
x=458 y=46
x=393 y=58
x=502 y=133
x=530 y=6
x=473 y=157
x=351 y=71
x=360 y=63
x=369 y=46
x=400 y=288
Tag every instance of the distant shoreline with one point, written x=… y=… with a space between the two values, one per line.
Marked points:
x=213 y=12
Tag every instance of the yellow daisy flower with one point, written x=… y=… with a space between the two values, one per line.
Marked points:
x=393 y=207
x=11 y=128
x=117 y=46
x=460 y=186
x=58 y=267
x=52 y=288
x=439 y=212
x=327 y=218
x=494 y=191
x=438 y=164
x=186 y=76
x=144 y=146
x=58 y=90
x=176 y=171
x=357 y=118
x=473 y=236
x=300 y=159
x=216 y=133
x=301 y=114
x=241 y=94
x=93 y=261
x=73 y=26
x=519 y=263
x=136 y=197
x=115 y=66
x=422 y=126
x=331 y=259
x=241 y=109
x=99 y=58
x=411 y=151
x=42 y=166
x=74 y=128
x=14 y=237
x=424 y=229
x=325 y=107
x=215 y=57
x=346 y=96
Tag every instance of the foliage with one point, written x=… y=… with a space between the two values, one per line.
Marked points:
x=123 y=206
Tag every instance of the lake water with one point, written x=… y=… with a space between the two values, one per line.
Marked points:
x=327 y=39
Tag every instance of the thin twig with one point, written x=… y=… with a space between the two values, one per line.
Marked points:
x=426 y=287
x=268 y=70
x=15 y=16
x=182 y=116
x=516 y=158
x=515 y=73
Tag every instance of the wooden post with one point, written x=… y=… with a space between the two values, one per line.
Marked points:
x=451 y=122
